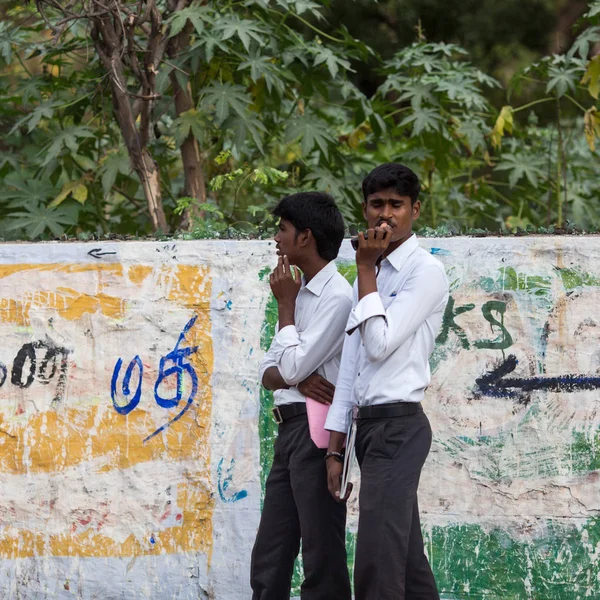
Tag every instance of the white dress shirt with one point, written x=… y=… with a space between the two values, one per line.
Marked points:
x=391 y=334
x=314 y=343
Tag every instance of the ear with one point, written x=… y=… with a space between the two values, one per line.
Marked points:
x=304 y=238
x=416 y=210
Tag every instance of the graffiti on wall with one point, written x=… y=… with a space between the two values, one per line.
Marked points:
x=134 y=433
x=505 y=496
x=104 y=456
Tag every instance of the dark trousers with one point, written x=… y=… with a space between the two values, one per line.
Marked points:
x=390 y=562
x=298 y=506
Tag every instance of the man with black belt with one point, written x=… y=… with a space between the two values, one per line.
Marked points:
x=399 y=299
x=303 y=360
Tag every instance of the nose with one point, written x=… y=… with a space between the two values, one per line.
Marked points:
x=276 y=238
x=386 y=211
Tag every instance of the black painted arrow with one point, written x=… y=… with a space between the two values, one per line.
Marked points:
x=495 y=383
x=97 y=252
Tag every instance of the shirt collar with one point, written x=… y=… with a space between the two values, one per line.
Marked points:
x=400 y=255
x=320 y=280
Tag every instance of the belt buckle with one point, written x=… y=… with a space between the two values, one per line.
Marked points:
x=277 y=415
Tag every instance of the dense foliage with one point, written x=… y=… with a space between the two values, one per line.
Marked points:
x=121 y=117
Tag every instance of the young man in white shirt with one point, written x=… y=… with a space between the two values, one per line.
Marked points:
x=303 y=361
x=399 y=299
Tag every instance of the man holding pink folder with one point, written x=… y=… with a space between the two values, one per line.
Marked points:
x=301 y=367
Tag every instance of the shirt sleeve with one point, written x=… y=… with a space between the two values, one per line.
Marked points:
x=340 y=411
x=384 y=330
x=299 y=354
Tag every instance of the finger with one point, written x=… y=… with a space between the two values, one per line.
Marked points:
x=297 y=274
x=370 y=234
x=320 y=398
x=319 y=395
x=333 y=483
x=280 y=265
x=349 y=488
x=361 y=240
x=327 y=384
x=326 y=393
x=286 y=266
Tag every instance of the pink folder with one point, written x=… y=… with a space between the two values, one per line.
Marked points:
x=317 y=413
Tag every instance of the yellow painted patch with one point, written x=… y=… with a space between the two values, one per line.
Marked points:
x=137 y=273
x=69 y=304
x=85 y=431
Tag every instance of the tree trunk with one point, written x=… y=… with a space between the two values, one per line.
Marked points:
x=141 y=159
x=194 y=184
x=566 y=17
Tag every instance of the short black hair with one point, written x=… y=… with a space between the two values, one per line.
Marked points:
x=318 y=212
x=392 y=175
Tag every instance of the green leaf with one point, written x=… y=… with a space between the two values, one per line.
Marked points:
x=9 y=36
x=302 y=6
x=262 y=66
x=472 y=132
x=116 y=161
x=333 y=62
x=38 y=219
x=313 y=132
x=521 y=166
x=425 y=119
x=209 y=41
x=225 y=98
x=271 y=175
x=594 y=9
x=32 y=120
x=198 y=16
x=417 y=92
x=189 y=122
x=585 y=40
x=244 y=29
x=21 y=189
x=562 y=79
x=245 y=127
x=67 y=138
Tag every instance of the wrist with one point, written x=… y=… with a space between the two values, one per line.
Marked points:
x=334 y=456
x=364 y=267
x=286 y=314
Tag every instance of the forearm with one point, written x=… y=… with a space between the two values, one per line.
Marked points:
x=336 y=441
x=286 y=312
x=272 y=380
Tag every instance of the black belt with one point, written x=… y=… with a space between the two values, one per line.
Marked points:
x=391 y=409
x=287 y=411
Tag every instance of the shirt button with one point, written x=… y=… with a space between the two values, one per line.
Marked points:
x=359 y=373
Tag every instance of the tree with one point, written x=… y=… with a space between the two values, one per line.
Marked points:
x=205 y=76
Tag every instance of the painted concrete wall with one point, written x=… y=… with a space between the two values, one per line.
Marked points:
x=135 y=439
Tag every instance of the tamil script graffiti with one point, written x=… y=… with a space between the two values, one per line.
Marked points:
x=40 y=360
x=175 y=363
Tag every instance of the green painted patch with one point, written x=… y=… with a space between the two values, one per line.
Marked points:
x=510 y=280
x=574 y=278
x=471 y=562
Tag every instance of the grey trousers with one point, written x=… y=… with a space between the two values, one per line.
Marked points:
x=390 y=561
x=298 y=506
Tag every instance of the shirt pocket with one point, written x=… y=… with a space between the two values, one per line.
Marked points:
x=387 y=300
